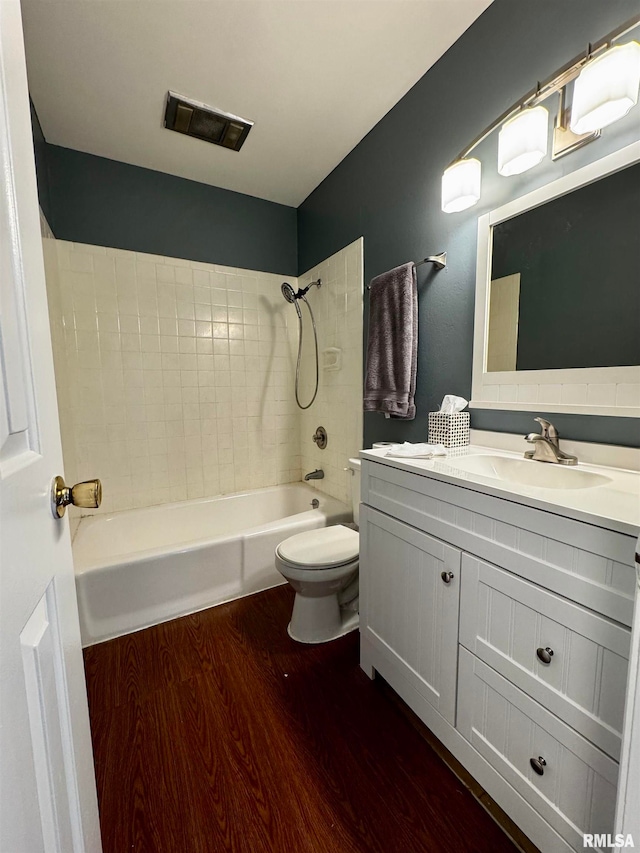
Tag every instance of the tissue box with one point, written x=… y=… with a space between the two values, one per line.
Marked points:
x=450 y=430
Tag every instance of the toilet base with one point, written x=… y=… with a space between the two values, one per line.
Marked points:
x=320 y=620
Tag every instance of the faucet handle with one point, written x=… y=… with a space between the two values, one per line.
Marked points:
x=548 y=430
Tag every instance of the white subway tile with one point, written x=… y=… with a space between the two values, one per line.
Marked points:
x=628 y=395
x=574 y=394
x=601 y=395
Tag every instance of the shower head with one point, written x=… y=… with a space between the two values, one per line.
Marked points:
x=290 y=295
x=288 y=292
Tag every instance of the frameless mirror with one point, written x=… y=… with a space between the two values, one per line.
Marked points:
x=565 y=280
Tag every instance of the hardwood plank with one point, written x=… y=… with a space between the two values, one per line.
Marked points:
x=217 y=732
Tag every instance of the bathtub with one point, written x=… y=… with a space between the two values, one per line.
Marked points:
x=140 y=567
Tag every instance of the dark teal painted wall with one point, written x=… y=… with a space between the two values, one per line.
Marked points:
x=42 y=172
x=388 y=191
x=108 y=203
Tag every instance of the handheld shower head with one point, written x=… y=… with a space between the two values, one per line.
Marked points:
x=290 y=295
x=288 y=292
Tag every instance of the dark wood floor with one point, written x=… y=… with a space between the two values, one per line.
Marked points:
x=216 y=732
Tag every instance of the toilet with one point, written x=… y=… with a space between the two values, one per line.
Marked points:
x=322 y=567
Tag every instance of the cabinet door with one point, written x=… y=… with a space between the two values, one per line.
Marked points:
x=410 y=590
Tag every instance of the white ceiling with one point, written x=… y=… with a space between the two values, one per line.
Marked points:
x=314 y=75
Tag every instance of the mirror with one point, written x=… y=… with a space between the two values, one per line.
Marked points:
x=557 y=318
x=565 y=280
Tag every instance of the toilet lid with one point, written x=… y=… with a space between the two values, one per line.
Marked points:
x=326 y=546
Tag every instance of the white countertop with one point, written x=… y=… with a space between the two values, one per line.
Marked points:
x=614 y=505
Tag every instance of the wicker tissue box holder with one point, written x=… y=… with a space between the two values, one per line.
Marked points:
x=450 y=430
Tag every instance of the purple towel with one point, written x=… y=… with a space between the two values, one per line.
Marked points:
x=392 y=349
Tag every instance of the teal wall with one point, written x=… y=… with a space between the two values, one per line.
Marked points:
x=89 y=199
x=388 y=191
x=42 y=170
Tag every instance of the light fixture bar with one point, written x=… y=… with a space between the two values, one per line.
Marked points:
x=556 y=83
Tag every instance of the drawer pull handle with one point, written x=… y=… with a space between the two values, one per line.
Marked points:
x=545 y=655
x=538 y=765
x=447 y=577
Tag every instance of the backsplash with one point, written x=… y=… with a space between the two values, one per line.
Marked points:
x=175 y=379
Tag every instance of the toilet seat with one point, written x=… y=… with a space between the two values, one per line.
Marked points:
x=324 y=548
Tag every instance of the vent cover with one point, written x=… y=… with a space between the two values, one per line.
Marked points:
x=208 y=123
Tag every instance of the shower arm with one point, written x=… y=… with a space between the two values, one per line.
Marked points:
x=302 y=293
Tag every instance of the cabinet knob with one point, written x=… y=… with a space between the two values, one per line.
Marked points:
x=447 y=577
x=545 y=655
x=538 y=764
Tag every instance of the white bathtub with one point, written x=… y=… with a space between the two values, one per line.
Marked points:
x=144 y=566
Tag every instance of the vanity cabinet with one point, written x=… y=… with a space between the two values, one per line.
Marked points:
x=506 y=629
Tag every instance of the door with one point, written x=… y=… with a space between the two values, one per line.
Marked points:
x=410 y=593
x=47 y=785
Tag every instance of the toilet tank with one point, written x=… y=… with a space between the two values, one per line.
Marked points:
x=354 y=465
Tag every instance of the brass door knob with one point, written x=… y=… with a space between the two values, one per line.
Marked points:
x=87 y=494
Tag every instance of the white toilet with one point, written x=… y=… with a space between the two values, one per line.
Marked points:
x=322 y=567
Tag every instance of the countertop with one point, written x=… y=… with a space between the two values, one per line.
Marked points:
x=614 y=505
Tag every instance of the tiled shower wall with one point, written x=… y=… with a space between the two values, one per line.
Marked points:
x=175 y=378
x=337 y=307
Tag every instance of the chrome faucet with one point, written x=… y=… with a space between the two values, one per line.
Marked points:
x=318 y=474
x=546 y=446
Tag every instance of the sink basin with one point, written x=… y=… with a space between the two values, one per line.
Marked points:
x=526 y=472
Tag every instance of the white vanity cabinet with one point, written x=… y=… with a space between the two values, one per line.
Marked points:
x=506 y=629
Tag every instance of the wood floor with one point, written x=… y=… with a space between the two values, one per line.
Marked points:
x=216 y=732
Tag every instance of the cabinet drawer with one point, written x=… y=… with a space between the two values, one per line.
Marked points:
x=580 y=561
x=505 y=621
x=407 y=611
x=577 y=791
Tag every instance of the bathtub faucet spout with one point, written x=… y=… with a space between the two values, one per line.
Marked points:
x=318 y=474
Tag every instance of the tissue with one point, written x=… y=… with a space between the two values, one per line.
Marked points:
x=407 y=450
x=452 y=404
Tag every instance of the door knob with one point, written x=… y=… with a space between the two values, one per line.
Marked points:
x=447 y=577
x=87 y=494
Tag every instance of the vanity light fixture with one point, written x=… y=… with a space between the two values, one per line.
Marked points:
x=522 y=142
x=607 y=79
x=461 y=185
x=606 y=88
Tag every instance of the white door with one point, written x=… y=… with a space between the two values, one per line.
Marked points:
x=47 y=785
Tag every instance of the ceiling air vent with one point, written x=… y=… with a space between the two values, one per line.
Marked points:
x=208 y=123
